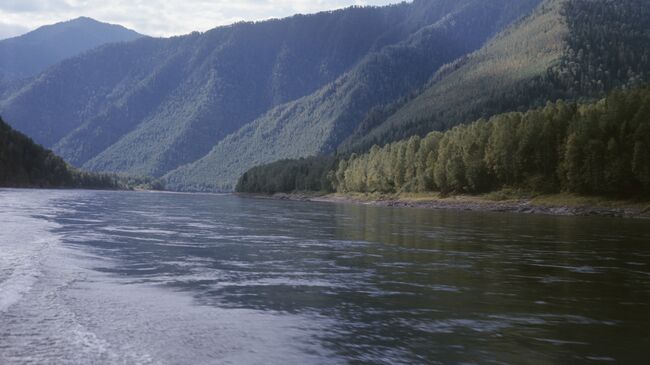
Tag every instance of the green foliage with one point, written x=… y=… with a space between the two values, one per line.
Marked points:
x=599 y=148
x=567 y=49
x=286 y=176
x=607 y=46
x=24 y=163
x=503 y=75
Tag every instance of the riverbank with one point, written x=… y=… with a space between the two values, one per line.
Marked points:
x=505 y=202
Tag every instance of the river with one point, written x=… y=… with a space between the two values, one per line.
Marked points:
x=89 y=277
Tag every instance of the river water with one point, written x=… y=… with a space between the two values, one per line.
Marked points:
x=155 y=278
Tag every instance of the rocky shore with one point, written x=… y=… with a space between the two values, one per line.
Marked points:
x=471 y=203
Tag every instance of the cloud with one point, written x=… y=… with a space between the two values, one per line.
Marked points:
x=159 y=17
x=8 y=31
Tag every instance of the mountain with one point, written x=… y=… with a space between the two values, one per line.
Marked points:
x=25 y=164
x=468 y=87
x=30 y=54
x=150 y=106
x=567 y=49
x=317 y=123
x=200 y=110
x=600 y=148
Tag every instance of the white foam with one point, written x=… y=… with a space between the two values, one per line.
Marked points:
x=24 y=241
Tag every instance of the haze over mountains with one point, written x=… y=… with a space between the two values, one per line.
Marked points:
x=199 y=110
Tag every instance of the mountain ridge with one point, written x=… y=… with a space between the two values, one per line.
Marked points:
x=153 y=105
x=385 y=71
x=29 y=54
x=201 y=109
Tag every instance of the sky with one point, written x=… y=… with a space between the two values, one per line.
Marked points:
x=158 y=17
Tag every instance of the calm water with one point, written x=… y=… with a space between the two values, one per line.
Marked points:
x=148 y=278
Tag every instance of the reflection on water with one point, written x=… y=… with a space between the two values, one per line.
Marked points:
x=173 y=278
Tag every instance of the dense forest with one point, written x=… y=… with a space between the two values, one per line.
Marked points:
x=570 y=50
x=318 y=123
x=304 y=174
x=596 y=148
x=575 y=50
x=24 y=163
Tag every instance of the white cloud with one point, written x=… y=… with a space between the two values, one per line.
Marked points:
x=159 y=17
x=8 y=31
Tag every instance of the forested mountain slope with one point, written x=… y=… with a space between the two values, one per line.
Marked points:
x=319 y=122
x=568 y=49
x=149 y=106
x=599 y=148
x=203 y=108
x=25 y=164
x=29 y=54
x=474 y=85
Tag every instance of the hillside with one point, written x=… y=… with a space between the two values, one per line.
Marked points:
x=30 y=54
x=600 y=148
x=25 y=164
x=149 y=106
x=567 y=49
x=319 y=122
x=470 y=86
x=200 y=110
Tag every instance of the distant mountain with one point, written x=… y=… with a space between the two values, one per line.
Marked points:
x=202 y=109
x=30 y=54
x=150 y=106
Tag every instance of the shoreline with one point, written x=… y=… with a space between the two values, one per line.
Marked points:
x=551 y=204
x=541 y=205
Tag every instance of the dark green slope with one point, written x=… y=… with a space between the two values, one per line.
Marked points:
x=26 y=164
x=568 y=49
x=319 y=122
x=32 y=53
x=598 y=148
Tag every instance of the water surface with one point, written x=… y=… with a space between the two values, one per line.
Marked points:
x=154 y=278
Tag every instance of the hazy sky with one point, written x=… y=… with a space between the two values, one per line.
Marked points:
x=158 y=17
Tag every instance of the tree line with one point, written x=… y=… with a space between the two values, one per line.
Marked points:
x=24 y=163
x=305 y=174
x=598 y=148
